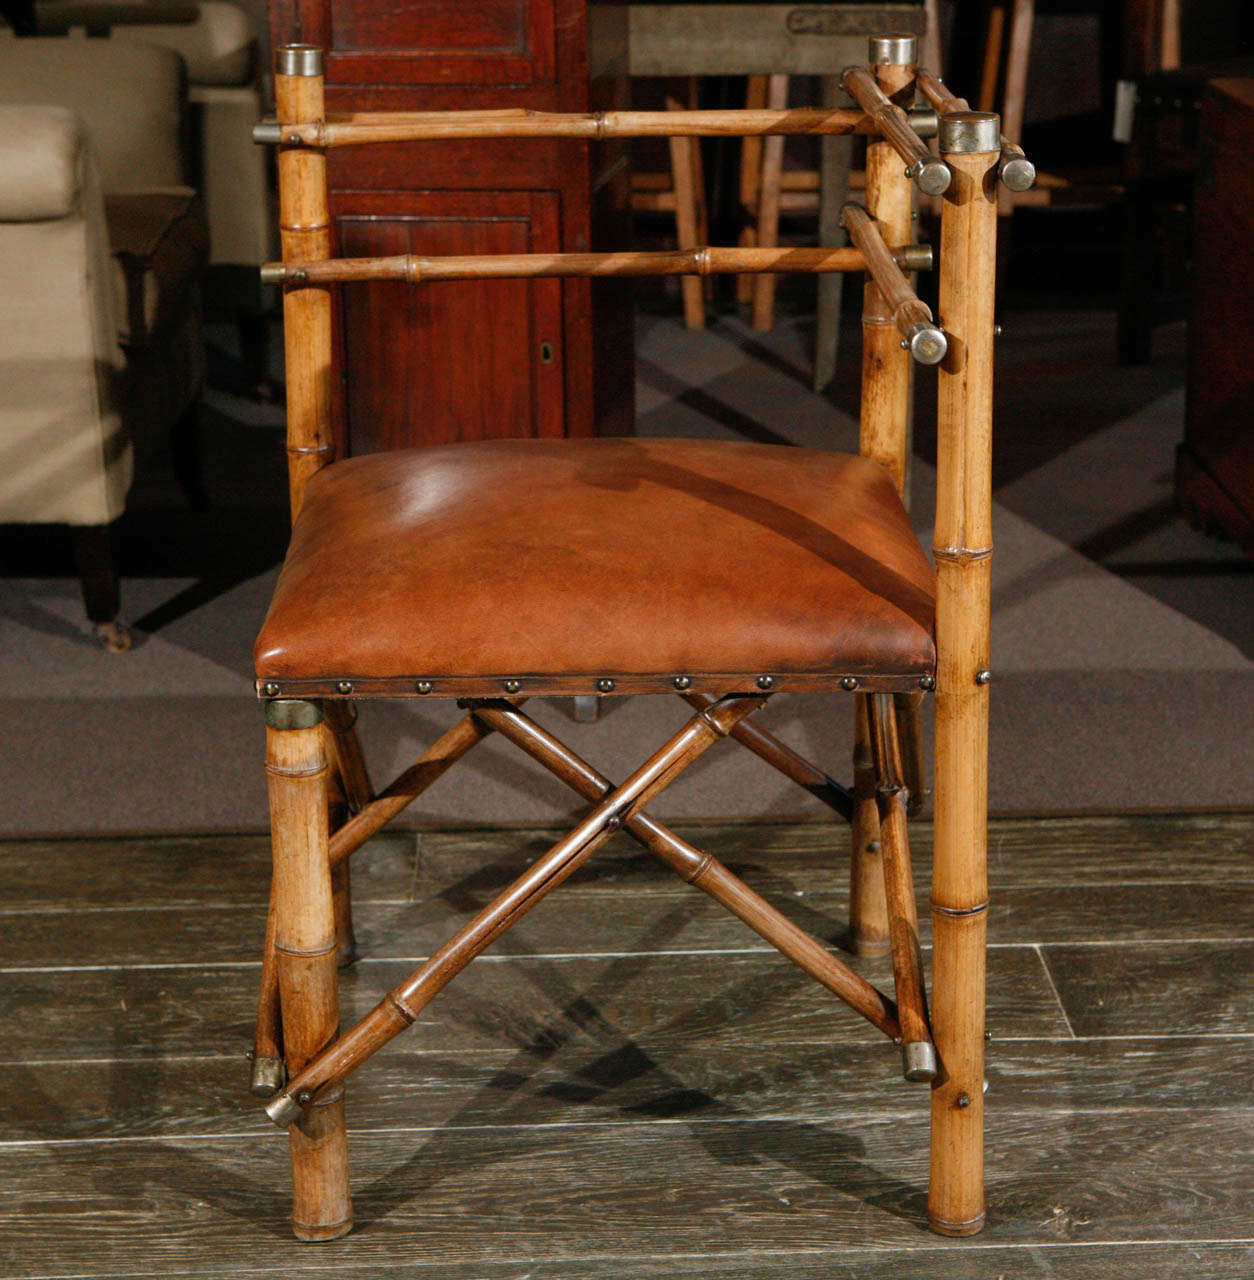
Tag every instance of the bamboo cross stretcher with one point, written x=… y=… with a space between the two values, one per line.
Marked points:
x=323 y=803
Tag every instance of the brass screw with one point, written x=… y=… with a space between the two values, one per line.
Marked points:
x=613 y=822
x=605 y=686
x=512 y=686
x=983 y=676
x=344 y=686
x=766 y=682
x=423 y=686
x=270 y=689
x=850 y=683
x=964 y=1100
x=682 y=682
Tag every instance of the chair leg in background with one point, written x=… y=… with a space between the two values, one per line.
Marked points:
x=93 y=555
x=306 y=949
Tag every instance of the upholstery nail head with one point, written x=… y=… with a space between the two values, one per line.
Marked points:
x=849 y=683
x=983 y=676
x=304 y=1097
x=344 y=686
x=766 y=682
x=423 y=686
x=512 y=686
x=605 y=685
x=927 y=683
x=270 y=689
x=682 y=682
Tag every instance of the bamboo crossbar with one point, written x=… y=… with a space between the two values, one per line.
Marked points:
x=701 y=870
x=779 y=755
x=400 y=1008
x=1015 y=170
x=428 y=126
x=911 y=315
x=930 y=173
x=415 y=269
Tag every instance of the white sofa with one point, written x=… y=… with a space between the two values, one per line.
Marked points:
x=102 y=246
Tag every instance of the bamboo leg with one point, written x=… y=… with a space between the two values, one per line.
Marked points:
x=750 y=182
x=267 y=1070
x=702 y=871
x=868 y=907
x=992 y=58
x=1017 y=68
x=768 y=207
x=683 y=173
x=908 y=710
x=963 y=547
x=304 y=941
x=918 y=1055
x=401 y=1006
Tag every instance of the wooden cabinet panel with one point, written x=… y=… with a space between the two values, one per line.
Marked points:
x=462 y=360
x=451 y=360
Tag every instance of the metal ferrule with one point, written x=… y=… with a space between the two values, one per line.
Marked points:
x=267 y=133
x=917 y=257
x=928 y=344
x=892 y=51
x=273 y=273
x=284 y=1110
x=298 y=60
x=924 y=121
x=268 y=1077
x=918 y=1061
x=293 y=713
x=1018 y=173
x=970 y=132
x=930 y=174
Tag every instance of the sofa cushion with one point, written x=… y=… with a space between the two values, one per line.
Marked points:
x=41 y=158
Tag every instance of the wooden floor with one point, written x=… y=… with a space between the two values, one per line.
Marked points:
x=630 y=1084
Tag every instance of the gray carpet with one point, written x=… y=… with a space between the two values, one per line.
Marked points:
x=1121 y=637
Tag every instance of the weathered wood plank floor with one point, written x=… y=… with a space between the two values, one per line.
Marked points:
x=631 y=1084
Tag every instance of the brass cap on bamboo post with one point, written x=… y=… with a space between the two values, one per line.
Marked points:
x=284 y=1110
x=267 y=1077
x=892 y=50
x=1017 y=173
x=918 y=1061
x=927 y=344
x=298 y=60
x=970 y=132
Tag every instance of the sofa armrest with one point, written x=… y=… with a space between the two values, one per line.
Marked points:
x=42 y=153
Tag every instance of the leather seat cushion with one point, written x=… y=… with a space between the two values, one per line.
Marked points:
x=600 y=557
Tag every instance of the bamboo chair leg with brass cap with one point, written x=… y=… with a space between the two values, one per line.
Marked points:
x=322 y=802
x=305 y=947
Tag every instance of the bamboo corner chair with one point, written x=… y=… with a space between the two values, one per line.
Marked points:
x=739 y=570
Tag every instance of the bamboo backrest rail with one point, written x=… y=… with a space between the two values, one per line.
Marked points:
x=926 y=342
x=362 y=128
x=1015 y=170
x=703 y=261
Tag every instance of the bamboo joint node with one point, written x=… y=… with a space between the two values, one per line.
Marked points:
x=978 y=909
x=962 y=555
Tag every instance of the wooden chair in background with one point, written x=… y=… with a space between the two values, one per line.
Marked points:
x=480 y=573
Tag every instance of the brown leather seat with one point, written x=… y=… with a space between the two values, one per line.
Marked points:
x=490 y=561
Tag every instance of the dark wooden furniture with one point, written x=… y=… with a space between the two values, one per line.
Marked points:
x=1215 y=464
x=471 y=362
x=487 y=572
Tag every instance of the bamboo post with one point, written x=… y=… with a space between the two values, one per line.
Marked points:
x=305 y=945
x=305 y=235
x=883 y=435
x=750 y=180
x=685 y=169
x=970 y=142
